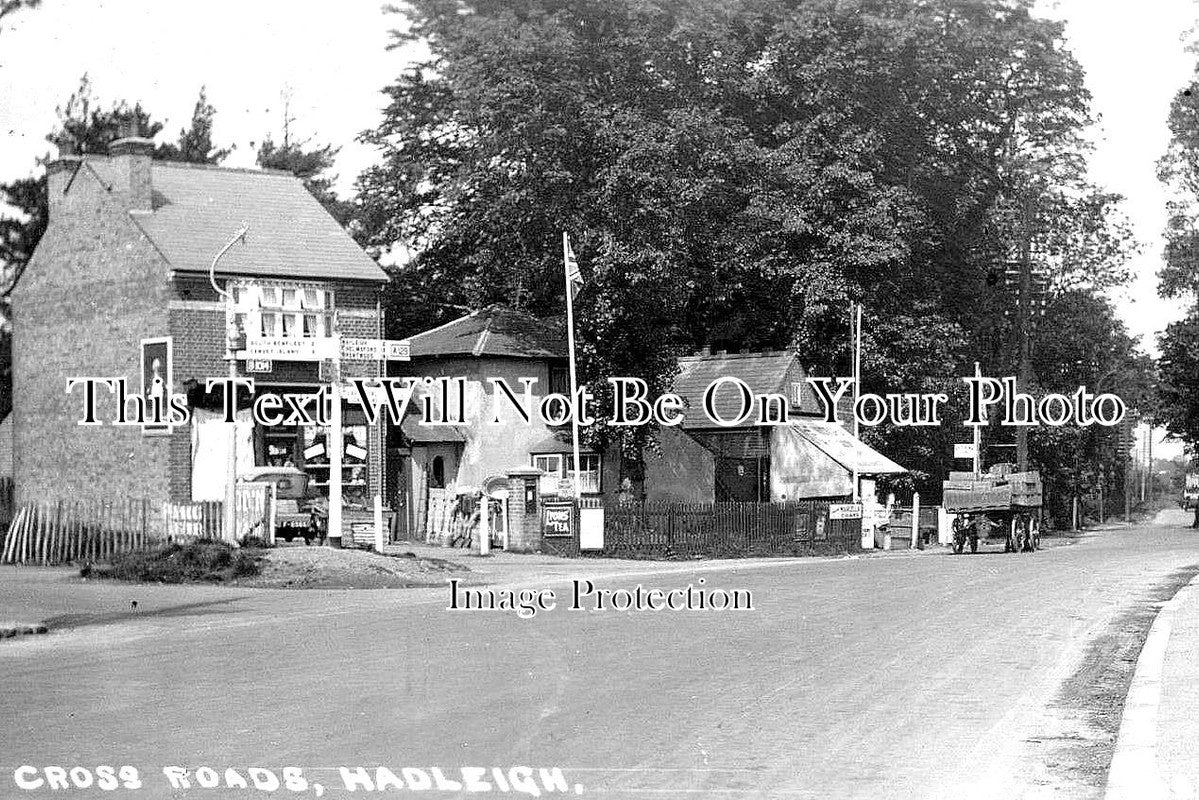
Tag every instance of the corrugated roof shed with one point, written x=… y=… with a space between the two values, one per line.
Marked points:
x=771 y=372
x=494 y=331
x=197 y=208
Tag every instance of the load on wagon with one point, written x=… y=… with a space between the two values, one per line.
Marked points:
x=1000 y=503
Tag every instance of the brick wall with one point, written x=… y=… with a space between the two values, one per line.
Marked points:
x=94 y=288
x=198 y=330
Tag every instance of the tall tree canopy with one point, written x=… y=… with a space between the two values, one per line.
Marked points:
x=1179 y=275
x=739 y=172
x=87 y=126
x=84 y=126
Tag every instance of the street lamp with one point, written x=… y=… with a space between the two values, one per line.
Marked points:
x=230 y=517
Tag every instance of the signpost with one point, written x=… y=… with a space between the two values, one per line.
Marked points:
x=321 y=348
x=329 y=352
x=968 y=450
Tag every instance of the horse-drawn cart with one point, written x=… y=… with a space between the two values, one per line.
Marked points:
x=999 y=504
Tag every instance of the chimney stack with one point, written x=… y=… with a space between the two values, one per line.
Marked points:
x=132 y=155
x=59 y=173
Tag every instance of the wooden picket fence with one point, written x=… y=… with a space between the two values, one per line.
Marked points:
x=255 y=511
x=65 y=532
x=74 y=532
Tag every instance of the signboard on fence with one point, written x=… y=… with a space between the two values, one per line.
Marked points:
x=591 y=528
x=845 y=511
x=965 y=450
x=558 y=519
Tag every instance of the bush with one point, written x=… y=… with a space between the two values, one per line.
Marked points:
x=253 y=542
x=207 y=560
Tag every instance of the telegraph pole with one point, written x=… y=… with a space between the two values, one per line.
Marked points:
x=1024 y=323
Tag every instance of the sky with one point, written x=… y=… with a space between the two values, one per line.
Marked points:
x=332 y=60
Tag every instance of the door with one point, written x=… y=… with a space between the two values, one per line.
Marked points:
x=399 y=487
x=743 y=480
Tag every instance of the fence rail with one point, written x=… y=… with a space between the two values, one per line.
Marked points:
x=682 y=530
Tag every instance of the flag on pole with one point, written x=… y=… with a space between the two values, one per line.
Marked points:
x=574 y=278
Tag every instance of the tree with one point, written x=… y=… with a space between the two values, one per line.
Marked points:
x=311 y=165
x=195 y=141
x=13 y=6
x=737 y=171
x=84 y=127
x=1179 y=276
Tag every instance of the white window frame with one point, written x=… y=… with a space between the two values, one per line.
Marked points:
x=563 y=469
x=284 y=310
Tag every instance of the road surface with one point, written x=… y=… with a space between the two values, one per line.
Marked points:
x=923 y=676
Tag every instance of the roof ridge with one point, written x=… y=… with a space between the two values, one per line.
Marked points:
x=171 y=164
x=444 y=325
x=755 y=354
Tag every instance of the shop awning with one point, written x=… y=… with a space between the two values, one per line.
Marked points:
x=841 y=446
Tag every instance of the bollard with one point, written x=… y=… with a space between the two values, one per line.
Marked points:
x=915 y=521
x=378 y=524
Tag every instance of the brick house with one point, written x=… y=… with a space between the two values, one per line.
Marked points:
x=125 y=258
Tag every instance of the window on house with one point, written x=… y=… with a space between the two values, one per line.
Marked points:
x=560 y=465
x=283 y=311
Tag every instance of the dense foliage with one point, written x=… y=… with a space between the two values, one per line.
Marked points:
x=737 y=173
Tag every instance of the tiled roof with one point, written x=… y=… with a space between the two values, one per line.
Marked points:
x=772 y=372
x=493 y=331
x=197 y=209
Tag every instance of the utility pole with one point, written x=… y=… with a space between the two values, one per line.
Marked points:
x=1024 y=323
x=1126 y=433
x=232 y=341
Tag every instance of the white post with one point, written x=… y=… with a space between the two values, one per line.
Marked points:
x=978 y=436
x=484 y=524
x=230 y=513
x=335 y=448
x=915 y=520
x=570 y=348
x=270 y=532
x=857 y=384
x=378 y=523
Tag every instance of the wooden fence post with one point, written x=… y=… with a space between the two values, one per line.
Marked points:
x=915 y=521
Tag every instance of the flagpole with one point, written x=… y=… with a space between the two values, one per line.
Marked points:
x=570 y=346
x=857 y=383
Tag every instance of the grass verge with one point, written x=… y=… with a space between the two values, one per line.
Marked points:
x=200 y=561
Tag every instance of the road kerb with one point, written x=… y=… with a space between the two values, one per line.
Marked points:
x=1133 y=773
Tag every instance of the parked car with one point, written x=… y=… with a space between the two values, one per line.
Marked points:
x=298 y=512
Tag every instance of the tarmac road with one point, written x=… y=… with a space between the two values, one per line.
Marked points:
x=923 y=676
